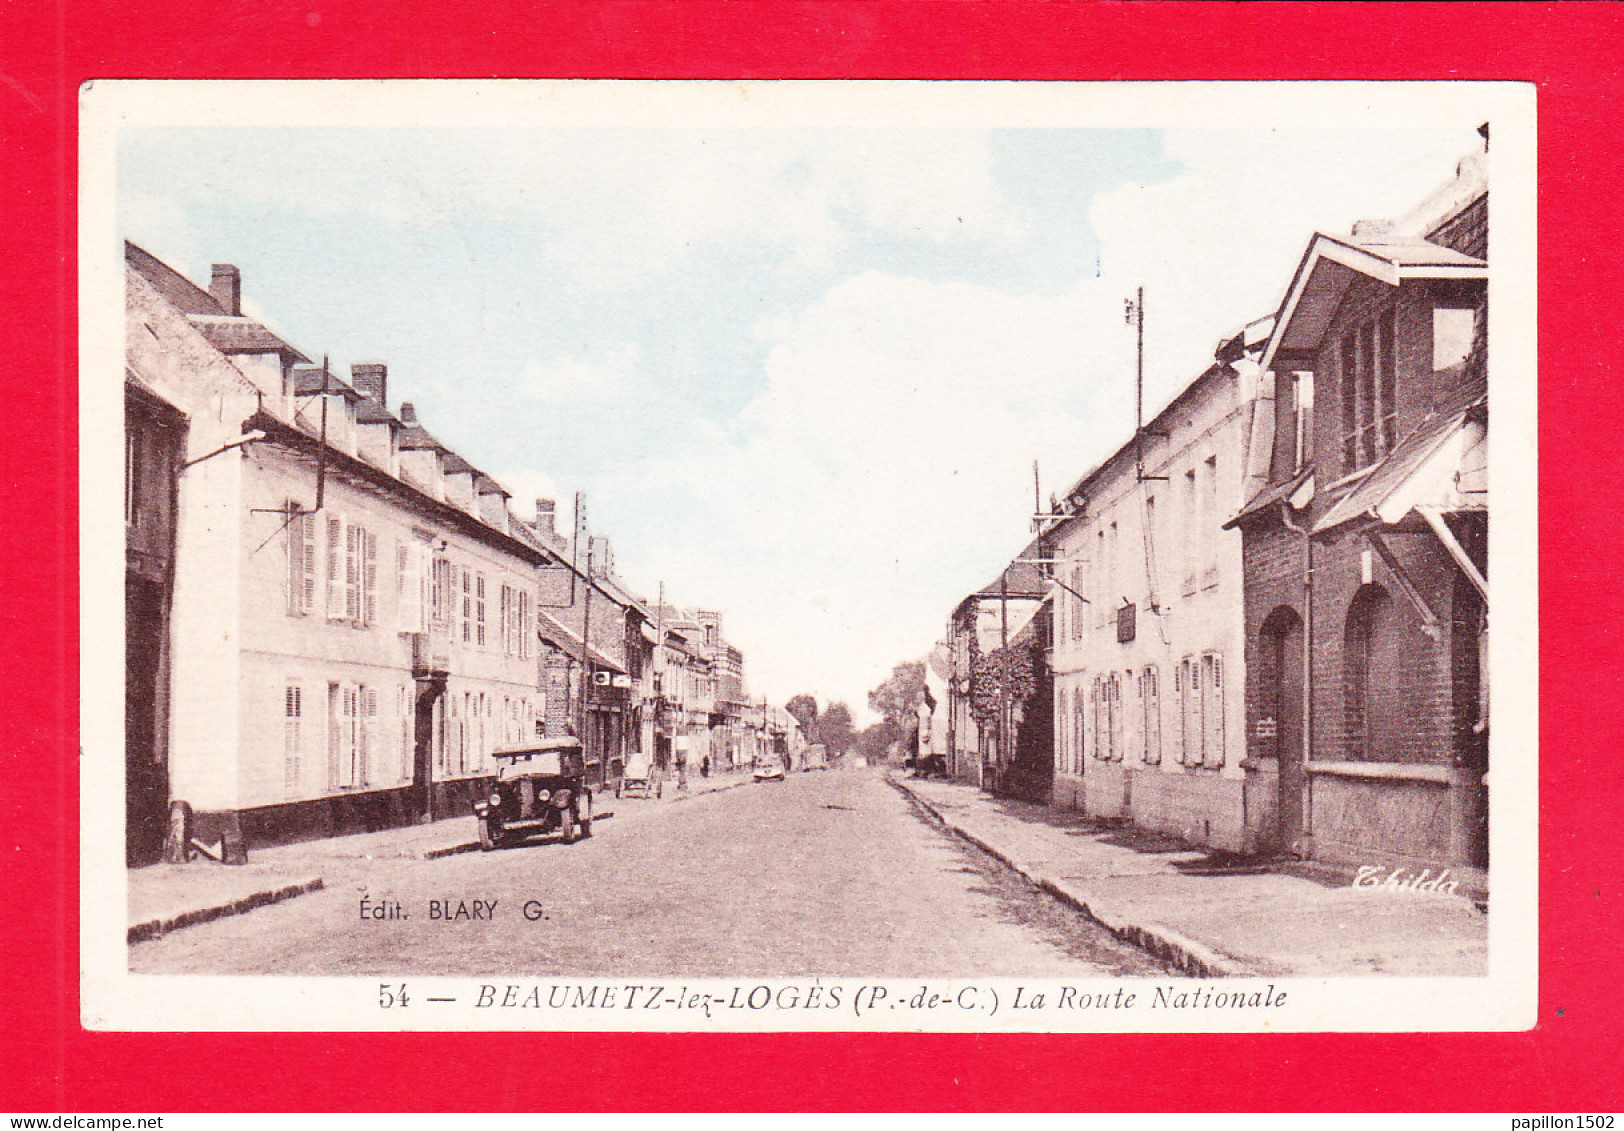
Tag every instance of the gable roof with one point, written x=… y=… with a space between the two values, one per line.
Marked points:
x=226 y=332
x=1331 y=263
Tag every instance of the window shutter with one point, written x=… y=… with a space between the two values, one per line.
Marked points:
x=403 y=697
x=479 y=610
x=335 y=735
x=335 y=567
x=307 y=581
x=296 y=558
x=292 y=740
x=1213 y=715
x=369 y=579
x=366 y=735
x=354 y=551
x=1178 y=706
x=466 y=608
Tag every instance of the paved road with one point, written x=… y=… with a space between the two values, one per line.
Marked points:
x=827 y=873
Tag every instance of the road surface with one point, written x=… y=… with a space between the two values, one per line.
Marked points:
x=832 y=873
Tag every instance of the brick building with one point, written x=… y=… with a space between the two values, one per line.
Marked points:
x=1366 y=606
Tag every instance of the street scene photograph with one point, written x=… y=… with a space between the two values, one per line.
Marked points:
x=883 y=554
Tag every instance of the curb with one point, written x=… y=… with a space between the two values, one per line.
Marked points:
x=154 y=928
x=1185 y=953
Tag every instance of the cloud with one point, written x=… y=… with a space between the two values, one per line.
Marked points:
x=891 y=451
x=1215 y=246
x=581 y=377
x=616 y=206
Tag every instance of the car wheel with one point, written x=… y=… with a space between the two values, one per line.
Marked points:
x=567 y=826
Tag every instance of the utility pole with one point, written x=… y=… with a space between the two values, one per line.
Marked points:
x=586 y=634
x=1001 y=756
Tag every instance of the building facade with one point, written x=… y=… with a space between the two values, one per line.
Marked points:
x=1366 y=546
x=981 y=707
x=1148 y=654
x=351 y=619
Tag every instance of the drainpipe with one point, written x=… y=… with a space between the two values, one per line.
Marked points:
x=1308 y=659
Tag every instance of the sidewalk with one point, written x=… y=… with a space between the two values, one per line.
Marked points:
x=1219 y=921
x=169 y=897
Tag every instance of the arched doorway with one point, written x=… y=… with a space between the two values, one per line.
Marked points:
x=1371 y=684
x=1280 y=717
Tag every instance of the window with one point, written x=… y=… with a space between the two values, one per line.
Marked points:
x=1150 y=706
x=1373 y=663
x=1302 y=385
x=292 y=738
x=440 y=592
x=352 y=572
x=301 y=532
x=479 y=610
x=467 y=610
x=1369 y=403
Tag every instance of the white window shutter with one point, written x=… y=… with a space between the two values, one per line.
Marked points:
x=335 y=567
x=353 y=551
x=1214 y=714
x=369 y=579
x=296 y=557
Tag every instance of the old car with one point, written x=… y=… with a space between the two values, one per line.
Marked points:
x=769 y=769
x=540 y=787
x=640 y=778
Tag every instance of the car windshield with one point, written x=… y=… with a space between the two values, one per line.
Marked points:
x=536 y=762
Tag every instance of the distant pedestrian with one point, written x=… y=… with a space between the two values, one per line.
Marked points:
x=704 y=766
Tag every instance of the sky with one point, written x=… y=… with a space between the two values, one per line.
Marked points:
x=797 y=374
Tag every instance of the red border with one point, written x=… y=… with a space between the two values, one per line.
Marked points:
x=1568 y=1063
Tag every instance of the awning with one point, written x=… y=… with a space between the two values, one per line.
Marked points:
x=1432 y=467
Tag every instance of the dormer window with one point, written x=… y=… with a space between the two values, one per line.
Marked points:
x=1365 y=358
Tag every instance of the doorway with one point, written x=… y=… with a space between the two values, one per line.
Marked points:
x=1280 y=702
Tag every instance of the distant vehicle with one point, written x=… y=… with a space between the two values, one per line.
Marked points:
x=540 y=787
x=816 y=757
x=769 y=771
x=640 y=778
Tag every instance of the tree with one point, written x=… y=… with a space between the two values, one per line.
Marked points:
x=878 y=740
x=897 y=699
x=834 y=729
x=805 y=710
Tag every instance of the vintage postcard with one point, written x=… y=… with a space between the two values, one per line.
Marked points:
x=891 y=556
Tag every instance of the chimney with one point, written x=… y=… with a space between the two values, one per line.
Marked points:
x=408 y=414
x=226 y=288
x=546 y=510
x=371 y=380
